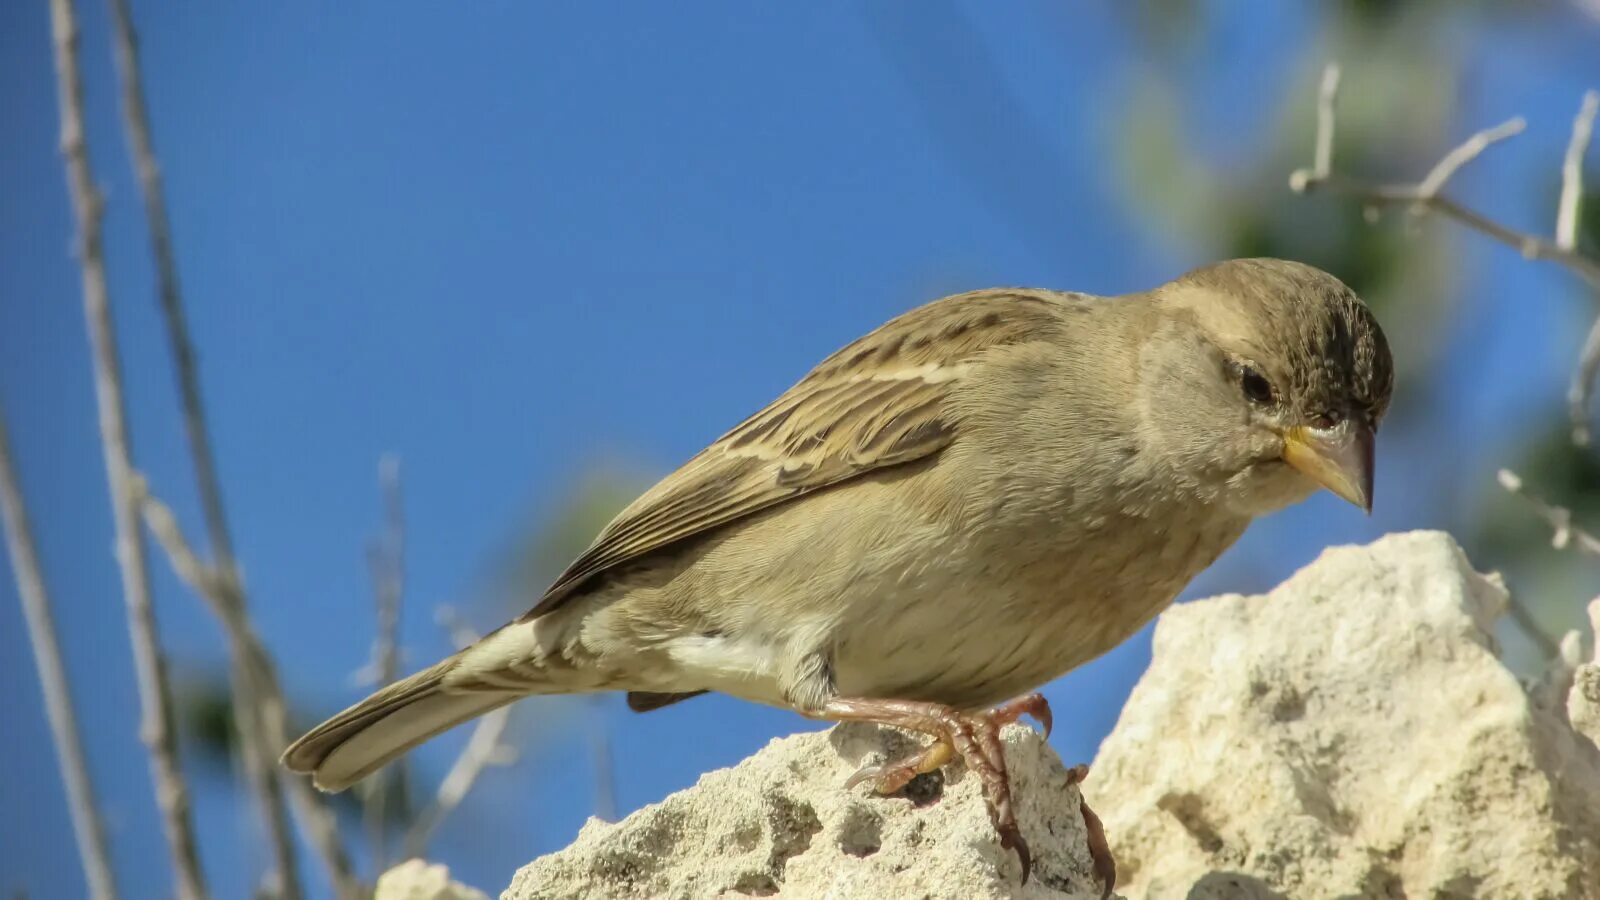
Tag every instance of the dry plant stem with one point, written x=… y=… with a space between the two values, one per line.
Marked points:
x=1424 y=197
x=322 y=830
x=86 y=824
x=1582 y=384
x=1567 y=238
x=1466 y=152
x=1327 y=96
x=1572 y=172
x=258 y=701
x=1426 y=194
x=172 y=793
x=257 y=755
x=482 y=751
x=386 y=559
x=600 y=756
x=1563 y=534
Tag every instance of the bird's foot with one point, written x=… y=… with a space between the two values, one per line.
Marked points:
x=1105 y=865
x=975 y=737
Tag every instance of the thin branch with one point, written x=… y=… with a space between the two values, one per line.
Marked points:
x=604 y=762
x=1427 y=196
x=172 y=792
x=482 y=751
x=321 y=828
x=1572 y=172
x=1563 y=534
x=163 y=525
x=86 y=825
x=386 y=565
x=1327 y=97
x=1466 y=152
x=386 y=560
x=259 y=709
x=1582 y=384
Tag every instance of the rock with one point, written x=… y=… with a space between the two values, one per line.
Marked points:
x=417 y=880
x=1583 y=701
x=1351 y=734
x=782 y=824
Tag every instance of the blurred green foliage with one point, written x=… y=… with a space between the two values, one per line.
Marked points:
x=535 y=555
x=1403 y=265
x=557 y=535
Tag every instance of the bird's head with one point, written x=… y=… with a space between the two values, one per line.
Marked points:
x=1264 y=380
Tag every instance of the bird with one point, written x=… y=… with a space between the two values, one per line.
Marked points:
x=968 y=502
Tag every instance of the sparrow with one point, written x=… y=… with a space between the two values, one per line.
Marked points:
x=968 y=502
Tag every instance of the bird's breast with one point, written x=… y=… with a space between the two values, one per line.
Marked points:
x=999 y=610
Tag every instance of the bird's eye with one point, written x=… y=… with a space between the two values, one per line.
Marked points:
x=1255 y=385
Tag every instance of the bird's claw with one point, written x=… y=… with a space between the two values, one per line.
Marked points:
x=1105 y=865
x=888 y=778
x=1027 y=705
x=865 y=773
x=975 y=737
x=1011 y=839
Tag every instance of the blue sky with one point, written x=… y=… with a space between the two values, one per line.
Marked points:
x=513 y=244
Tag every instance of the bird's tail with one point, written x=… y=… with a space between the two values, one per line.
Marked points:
x=362 y=739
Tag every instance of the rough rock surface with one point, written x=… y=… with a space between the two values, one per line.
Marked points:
x=781 y=824
x=417 y=880
x=1583 y=700
x=1351 y=734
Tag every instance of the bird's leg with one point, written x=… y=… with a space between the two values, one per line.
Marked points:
x=1105 y=865
x=975 y=737
x=888 y=777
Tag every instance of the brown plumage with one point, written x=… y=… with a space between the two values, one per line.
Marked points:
x=969 y=501
x=878 y=402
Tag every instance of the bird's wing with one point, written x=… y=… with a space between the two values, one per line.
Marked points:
x=878 y=402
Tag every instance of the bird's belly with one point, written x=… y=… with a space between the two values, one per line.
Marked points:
x=981 y=646
x=971 y=634
x=852 y=600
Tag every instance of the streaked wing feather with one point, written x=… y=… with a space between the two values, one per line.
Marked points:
x=878 y=402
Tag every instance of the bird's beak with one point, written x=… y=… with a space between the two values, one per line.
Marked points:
x=1338 y=458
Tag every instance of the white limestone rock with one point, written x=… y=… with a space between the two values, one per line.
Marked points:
x=1351 y=734
x=416 y=879
x=782 y=824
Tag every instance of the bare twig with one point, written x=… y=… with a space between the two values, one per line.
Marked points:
x=1582 y=384
x=483 y=750
x=86 y=824
x=259 y=709
x=1466 y=152
x=163 y=525
x=209 y=584
x=386 y=560
x=1425 y=197
x=1563 y=534
x=256 y=754
x=601 y=757
x=386 y=564
x=1327 y=97
x=1572 y=172
x=172 y=793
